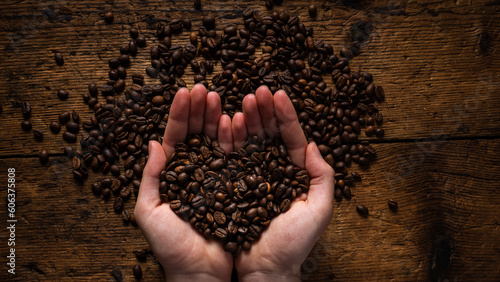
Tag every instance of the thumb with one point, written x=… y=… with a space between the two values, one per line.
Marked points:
x=321 y=173
x=149 y=193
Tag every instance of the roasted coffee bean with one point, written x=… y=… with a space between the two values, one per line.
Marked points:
x=220 y=233
x=58 y=57
x=362 y=210
x=55 y=127
x=312 y=11
x=62 y=94
x=26 y=109
x=72 y=127
x=69 y=137
x=152 y=72
x=44 y=156
x=109 y=17
x=96 y=188
x=208 y=22
x=393 y=206
x=141 y=41
x=38 y=134
x=134 y=33
x=141 y=254
x=137 y=271
x=117 y=274
x=118 y=204
x=126 y=216
x=64 y=117
x=26 y=125
x=197 y=4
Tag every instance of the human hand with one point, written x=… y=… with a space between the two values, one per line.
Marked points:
x=184 y=253
x=285 y=244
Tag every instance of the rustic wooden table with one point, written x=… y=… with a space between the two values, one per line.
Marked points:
x=439 y=159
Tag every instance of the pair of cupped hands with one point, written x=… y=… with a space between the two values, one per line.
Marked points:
x=277 y=256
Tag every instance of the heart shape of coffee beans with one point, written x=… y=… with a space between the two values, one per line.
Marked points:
x=231 y=198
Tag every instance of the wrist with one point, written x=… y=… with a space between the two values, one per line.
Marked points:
x=270 y=276
x=174 y=277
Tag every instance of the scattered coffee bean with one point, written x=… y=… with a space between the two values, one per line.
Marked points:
x=64 y=117
x=59 y=59
x=117 y=274
x=69 y=137
x=137 y=271
x=393 y=206
x=62 y=94
x=55 y=127
x=38 y=134
x=134 y=33
x=312 y=11
x=26 y=125
x=26 y=109
x=362 y=210
x=109 y=17
x=44 y=156
x=126 y=216
x=141 y=41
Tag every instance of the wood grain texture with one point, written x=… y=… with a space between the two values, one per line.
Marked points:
x=438 y=62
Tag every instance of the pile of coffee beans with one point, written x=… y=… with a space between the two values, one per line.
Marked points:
x=231 y=197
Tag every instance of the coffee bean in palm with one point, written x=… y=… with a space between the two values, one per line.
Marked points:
x=58 y=57
x=393 y=205
x=312 y=11
x=62 y=94
x=26 y=125
x=137 y=271
x=43 y=156
x=38 y=134
x=55 y=127
x=26 y=109
x=109 y=17
x=362 y=210
x=64 y=117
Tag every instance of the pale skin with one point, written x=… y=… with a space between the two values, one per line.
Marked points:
x=277 y=256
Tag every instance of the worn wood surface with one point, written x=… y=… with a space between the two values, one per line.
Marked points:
x=438 y=62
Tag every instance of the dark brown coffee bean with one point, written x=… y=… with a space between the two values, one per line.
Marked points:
x=220 y=218
x=393 y=205
x=141 y=254
x=197 y=4
x=220 y=233
x=152 y=72
x=62 y=94
x=44 y=156
x=58 y=57
x=126 y=216
x=312 y=11
x=38 y=134
x=69 y=137
x=55 y=127
x=118 y=204
x=72 y=127
x=109 y=17
x=26 y=125
x=64 y=117
x=137 y=271
x=134 y=33
x=26 y=109
x=117 y=274
x=209 y=22
x=141 y=41
x=362 y=210
x=96 y=188
x=379 y=132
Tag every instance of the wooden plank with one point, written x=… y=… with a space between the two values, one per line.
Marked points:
x=447 y=197
x=437 y=61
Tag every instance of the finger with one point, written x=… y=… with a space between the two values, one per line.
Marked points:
x=239 y=130
x=149 y=193
x=197 y=110
x=321 y=174
x=291 y=132
x=178 y=121
x=266 y=110
x=212 y=114
x=225 y=135
x=252 y=116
